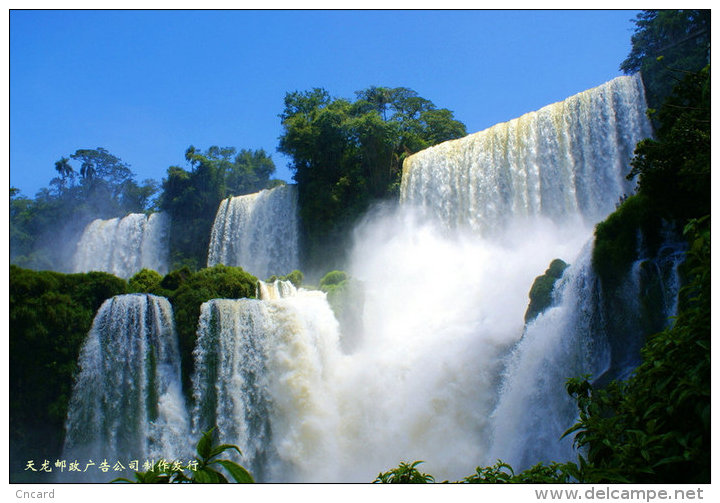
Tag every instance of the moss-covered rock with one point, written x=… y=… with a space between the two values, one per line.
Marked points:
x=620 y=239
x=542 y=289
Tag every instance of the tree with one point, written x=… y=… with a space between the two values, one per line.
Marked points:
x=348 y=154
x=63 y=167
x=191 y=198
x=680 y=38
x=45 y=230
x=673 y=169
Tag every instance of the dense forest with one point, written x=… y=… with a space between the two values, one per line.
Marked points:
x=346 y=156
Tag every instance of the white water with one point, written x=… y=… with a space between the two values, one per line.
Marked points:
x=566 y=160
x=441 y=370
x=127 y=402
x=124 y=246
x=420 y=384
x=258 y=232
x=567 y=340
x=263 y=370
x=446 y=278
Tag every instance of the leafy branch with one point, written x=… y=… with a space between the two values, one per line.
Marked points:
x=205 y=473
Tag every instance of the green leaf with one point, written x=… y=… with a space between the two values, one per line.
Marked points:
x=222 y=448
x=240 y=474
x=207 y=476
x=204 y=446
x=122 y=479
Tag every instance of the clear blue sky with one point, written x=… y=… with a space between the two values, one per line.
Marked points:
x=147 y=84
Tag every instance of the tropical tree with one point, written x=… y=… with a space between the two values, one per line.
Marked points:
x=346 y=155
x=665 y=43
x=191 y=198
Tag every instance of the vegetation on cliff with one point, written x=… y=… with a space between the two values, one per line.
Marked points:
x=50 y=316
x=347 y=154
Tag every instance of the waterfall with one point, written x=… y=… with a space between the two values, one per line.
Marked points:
x=124 y=246
x=258 y=232
x=564 y=164
x=263 y=376
x=568 y=340
x=444 y=369
x=566 y=160
x=588 y=331
x=127 y=402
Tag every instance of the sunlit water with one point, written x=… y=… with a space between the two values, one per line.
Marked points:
x=124 y=246
x=443 y=368
x=258 y=232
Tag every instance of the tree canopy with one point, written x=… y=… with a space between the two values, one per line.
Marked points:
x=347 y=154
x=191 y=197
x=664 y=42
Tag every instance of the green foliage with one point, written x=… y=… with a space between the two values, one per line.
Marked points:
x=348 y=154
x=673 y=169
x=502 y=473
x=191 y=198
x=174 y=279
x=542 y=289
x=664 y=42
x=295 y=277
x=499 y=473
x=404 y=474
x=44 y=230
x=333 y=278
x=206 y=471
x=619 y=237
x=50 y=316
x=145 y=281
x=656 y=426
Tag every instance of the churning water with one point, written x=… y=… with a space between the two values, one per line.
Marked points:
x=443 y=368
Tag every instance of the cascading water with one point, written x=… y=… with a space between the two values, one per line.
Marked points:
x=589 y=331
x=262 y=376
x=127 y=402
x=566 y=160
x=124 y=246
x=444 y=369
x=258 y=232
x=445 y=279
x=568 y=340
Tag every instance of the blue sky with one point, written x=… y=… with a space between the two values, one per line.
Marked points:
x=147 y=84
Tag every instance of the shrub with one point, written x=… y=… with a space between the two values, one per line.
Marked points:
x=218 y=282
x=50 y=316
x=145 y=281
